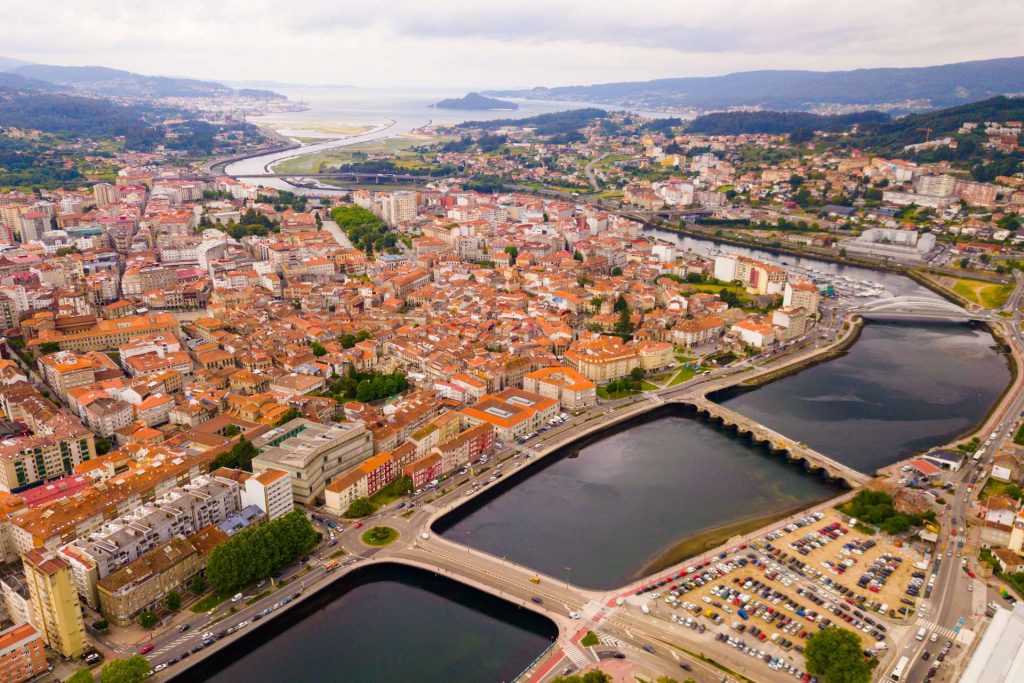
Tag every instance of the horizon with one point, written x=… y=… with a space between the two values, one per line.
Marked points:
x=533 y=44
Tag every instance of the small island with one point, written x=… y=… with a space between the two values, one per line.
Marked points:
x=474 y=101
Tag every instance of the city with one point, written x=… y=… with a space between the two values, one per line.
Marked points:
x=660 y=380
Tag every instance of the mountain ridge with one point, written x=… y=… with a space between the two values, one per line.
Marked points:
x=897 y=89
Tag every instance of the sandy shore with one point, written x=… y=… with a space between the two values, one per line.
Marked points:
x=712 y=538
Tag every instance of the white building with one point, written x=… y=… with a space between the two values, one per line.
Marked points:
x=270 y=491
x=999 y=657
x=899 y=245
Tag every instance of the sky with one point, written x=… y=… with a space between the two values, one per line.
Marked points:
x=512 y=43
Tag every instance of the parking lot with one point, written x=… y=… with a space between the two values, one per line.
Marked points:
x=767 y=597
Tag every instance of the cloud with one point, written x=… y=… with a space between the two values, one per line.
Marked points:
x=488 y=43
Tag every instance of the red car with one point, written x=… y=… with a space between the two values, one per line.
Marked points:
x=358 y=525
x=148 y=647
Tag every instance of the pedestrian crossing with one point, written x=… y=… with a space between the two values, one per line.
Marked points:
x=957 y=539
x=428 y=508
x=577 y=656
x=174 y=643
x=943 y=631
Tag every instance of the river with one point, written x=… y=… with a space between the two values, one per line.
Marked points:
x=599 y=513
x=386 y=623
x=901 y=389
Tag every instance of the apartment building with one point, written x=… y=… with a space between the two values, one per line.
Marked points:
x=512 y=412
x=179 y=512
x=54 y=601
x=312 y=453
x=602 y=359
x=22 y=654
x=567 y=386
x=145 y=583
x=110 y=334
x=66 y=370
x=270 y=491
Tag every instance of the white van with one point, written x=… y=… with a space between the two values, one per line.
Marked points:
x=921 y=632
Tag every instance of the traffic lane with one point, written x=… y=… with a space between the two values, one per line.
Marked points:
x=244 y=614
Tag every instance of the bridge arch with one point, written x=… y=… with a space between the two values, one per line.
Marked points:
x=915 y=307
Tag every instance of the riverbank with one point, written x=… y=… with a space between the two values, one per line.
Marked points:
x=837 y=350
x=717 y=537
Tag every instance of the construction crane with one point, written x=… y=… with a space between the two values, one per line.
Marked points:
x=927 y=133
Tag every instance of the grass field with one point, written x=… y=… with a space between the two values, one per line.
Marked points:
x=985 y=294
x=398 y=147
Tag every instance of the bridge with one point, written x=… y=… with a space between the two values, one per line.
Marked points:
x=795 y=451
x=342 y=175
x=915 y=308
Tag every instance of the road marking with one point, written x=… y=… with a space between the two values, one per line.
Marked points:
x=577 y=656
x=943 y=631
x=610 y=641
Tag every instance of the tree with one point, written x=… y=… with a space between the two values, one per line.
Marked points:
x=592 y=676
x=198 y=584
x=256 y=553
x=147 y=619
x=318 y=349
x=131 y=670
x=620 y=304
x=616 y=271
x=577 y=255
x=81 y=676
x=512 y=251
x=288 y=416
x=964 y=262
x=624 y=326
x=835 y=654
x=360 y=507
x=637 y=374
x=232 y=430
x=102 y=445
x=173 y=601
x=49 y=347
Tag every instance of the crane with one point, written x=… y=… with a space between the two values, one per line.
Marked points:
x=927 y=133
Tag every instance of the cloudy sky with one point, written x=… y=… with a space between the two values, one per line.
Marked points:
x=483 y=43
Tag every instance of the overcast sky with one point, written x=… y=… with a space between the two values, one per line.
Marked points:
x=483 y=43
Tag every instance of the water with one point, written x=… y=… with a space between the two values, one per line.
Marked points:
x=387 y=623
x=599 y=517
x=894 y=283
x=390 y=113
x=899 y=390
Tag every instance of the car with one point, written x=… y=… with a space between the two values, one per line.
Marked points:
x=574 y=615
x=358 y=525
x=160 y=667
x=257 y=617
x=647 y=648
x=276 y=605
x=686 y=666
x=183 y=628
x=236 y=597
x=926 y=656
x=536 y=600
x=148 y=647
x=618 y=655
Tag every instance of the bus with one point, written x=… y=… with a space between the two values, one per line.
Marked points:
x=900 y=669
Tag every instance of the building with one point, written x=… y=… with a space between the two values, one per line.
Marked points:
x=66 y=370
x=343 y=490
x=22 y=654
x=398 y=208
x=602 y=359
x=179 y=512
x=567 y=386
x=145 y=583
x=312 y=453
x=802 y=294
x=887 y=243
x=512 y=413
x=54 y=601
x=270 y=491
x=705 y=329
x=999 y=657
x=110 y=334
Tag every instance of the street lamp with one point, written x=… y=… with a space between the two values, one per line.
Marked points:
x=567 y=570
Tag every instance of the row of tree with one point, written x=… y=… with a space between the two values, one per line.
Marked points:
x=366 y=231
x=367 y=386
x=254 y=554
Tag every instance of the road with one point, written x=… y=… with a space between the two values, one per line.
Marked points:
x=951 y=599
x=591 y=175
x=337 y=233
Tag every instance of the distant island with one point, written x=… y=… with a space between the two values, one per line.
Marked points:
x=474 y=101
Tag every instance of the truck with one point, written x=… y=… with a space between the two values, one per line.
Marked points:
x=921 y=633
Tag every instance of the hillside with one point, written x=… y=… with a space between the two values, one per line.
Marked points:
x=474 y=101
x=895 y=89
x=778 y=122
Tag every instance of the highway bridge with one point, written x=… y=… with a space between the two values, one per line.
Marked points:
x=915 y=308
x=342 y=175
